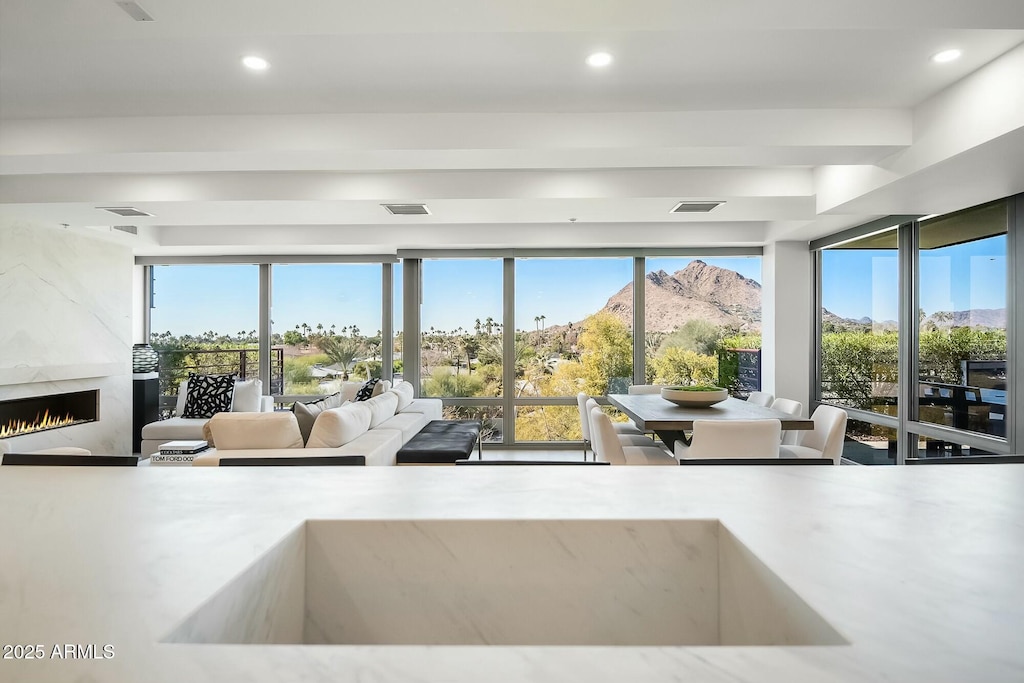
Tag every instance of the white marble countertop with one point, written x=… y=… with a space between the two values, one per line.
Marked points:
x=918 y=568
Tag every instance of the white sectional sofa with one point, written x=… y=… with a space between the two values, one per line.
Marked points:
x=183 y=428
x=376 y=428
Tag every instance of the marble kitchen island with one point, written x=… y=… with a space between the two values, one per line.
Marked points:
x=884 y=574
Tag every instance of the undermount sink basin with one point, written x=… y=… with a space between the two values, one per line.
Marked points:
x=495 y=582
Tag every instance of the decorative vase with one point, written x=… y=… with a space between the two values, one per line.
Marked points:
x=144 y=358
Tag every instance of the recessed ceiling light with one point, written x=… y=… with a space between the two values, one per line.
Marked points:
x=255 y=63
x=946 y=56
x=599 y=59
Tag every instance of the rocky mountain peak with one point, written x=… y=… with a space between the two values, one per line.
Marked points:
x=698 y=291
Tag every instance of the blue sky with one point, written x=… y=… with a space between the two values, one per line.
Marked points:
x=859 y=283
x=194 y=299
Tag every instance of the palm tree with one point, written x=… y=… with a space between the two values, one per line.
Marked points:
x=489 y=325
x=542 y=319
x=342 y=351
x=470 y=345
x=536 y=322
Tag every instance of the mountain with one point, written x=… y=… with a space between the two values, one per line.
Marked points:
x=940 y=320
x=975 y=317
x=698 y=291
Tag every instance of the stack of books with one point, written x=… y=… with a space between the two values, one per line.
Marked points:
x=178 y=452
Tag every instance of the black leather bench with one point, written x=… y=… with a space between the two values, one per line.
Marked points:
x=441 y=442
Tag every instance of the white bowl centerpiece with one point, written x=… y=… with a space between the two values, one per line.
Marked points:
x=697 y=396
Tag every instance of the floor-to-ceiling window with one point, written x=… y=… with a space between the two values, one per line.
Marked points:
x=573 y=333
x=204 y=319
x=920 y=312
x=703 y=321
x=962 y=360
x=860 y=339
x=461 y=352
x=326 y=326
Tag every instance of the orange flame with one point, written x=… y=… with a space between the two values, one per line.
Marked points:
x=44 y=421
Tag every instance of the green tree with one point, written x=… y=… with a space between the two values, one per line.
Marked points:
x=606 y=352
x=694 y=335
x=676 y=365
x=342 y=351
x=293 y=338
x=443 y=382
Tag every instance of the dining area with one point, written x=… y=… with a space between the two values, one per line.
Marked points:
x=667 y=426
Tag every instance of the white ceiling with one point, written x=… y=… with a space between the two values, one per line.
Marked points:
x=803 y=116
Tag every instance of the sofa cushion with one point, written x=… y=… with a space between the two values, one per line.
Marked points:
x=208 y=395
x=255 y=430
x=174 y=428
x=208 y=435
x=431 y=407
x=381 y=408
x=408 y=423
x=338 y=426
x=212 y=458
x=246 y=396
x=306 y=413
x=378 y=445
x=405 y=394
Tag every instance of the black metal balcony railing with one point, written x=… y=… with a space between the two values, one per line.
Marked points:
x=176 y=364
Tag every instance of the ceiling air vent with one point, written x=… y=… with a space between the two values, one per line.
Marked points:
x=127 y=211
x=694 y=207
x=407 y=209
x=133 y=10
x=130 y=229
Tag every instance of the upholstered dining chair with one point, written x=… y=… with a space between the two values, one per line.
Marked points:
x=824 y=441
x=608 y=445
x=760 y=398
x=789 y=407
x=624 y=428
x=645 y=388
x=732 y=439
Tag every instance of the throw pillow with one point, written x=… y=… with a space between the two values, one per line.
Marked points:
x=208 y=395
x=306 y=413
x=247 y=396
x=367 y=390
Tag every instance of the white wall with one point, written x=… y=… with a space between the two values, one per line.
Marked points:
x=65 y=325
x=786 y=321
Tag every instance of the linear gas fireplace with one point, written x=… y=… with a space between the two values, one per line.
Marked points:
x=40 y=413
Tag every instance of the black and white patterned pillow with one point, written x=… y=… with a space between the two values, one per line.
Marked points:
x=366 y=391
x=208 y=395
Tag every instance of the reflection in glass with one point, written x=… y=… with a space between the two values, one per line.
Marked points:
x=962 y=349
x=937 y=448
x=859 y=328
x=869 y=444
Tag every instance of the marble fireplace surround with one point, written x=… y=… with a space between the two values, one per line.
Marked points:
x=66 y=304
x=546 y=582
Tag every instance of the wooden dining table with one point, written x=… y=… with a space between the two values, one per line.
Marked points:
x=652 y=413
